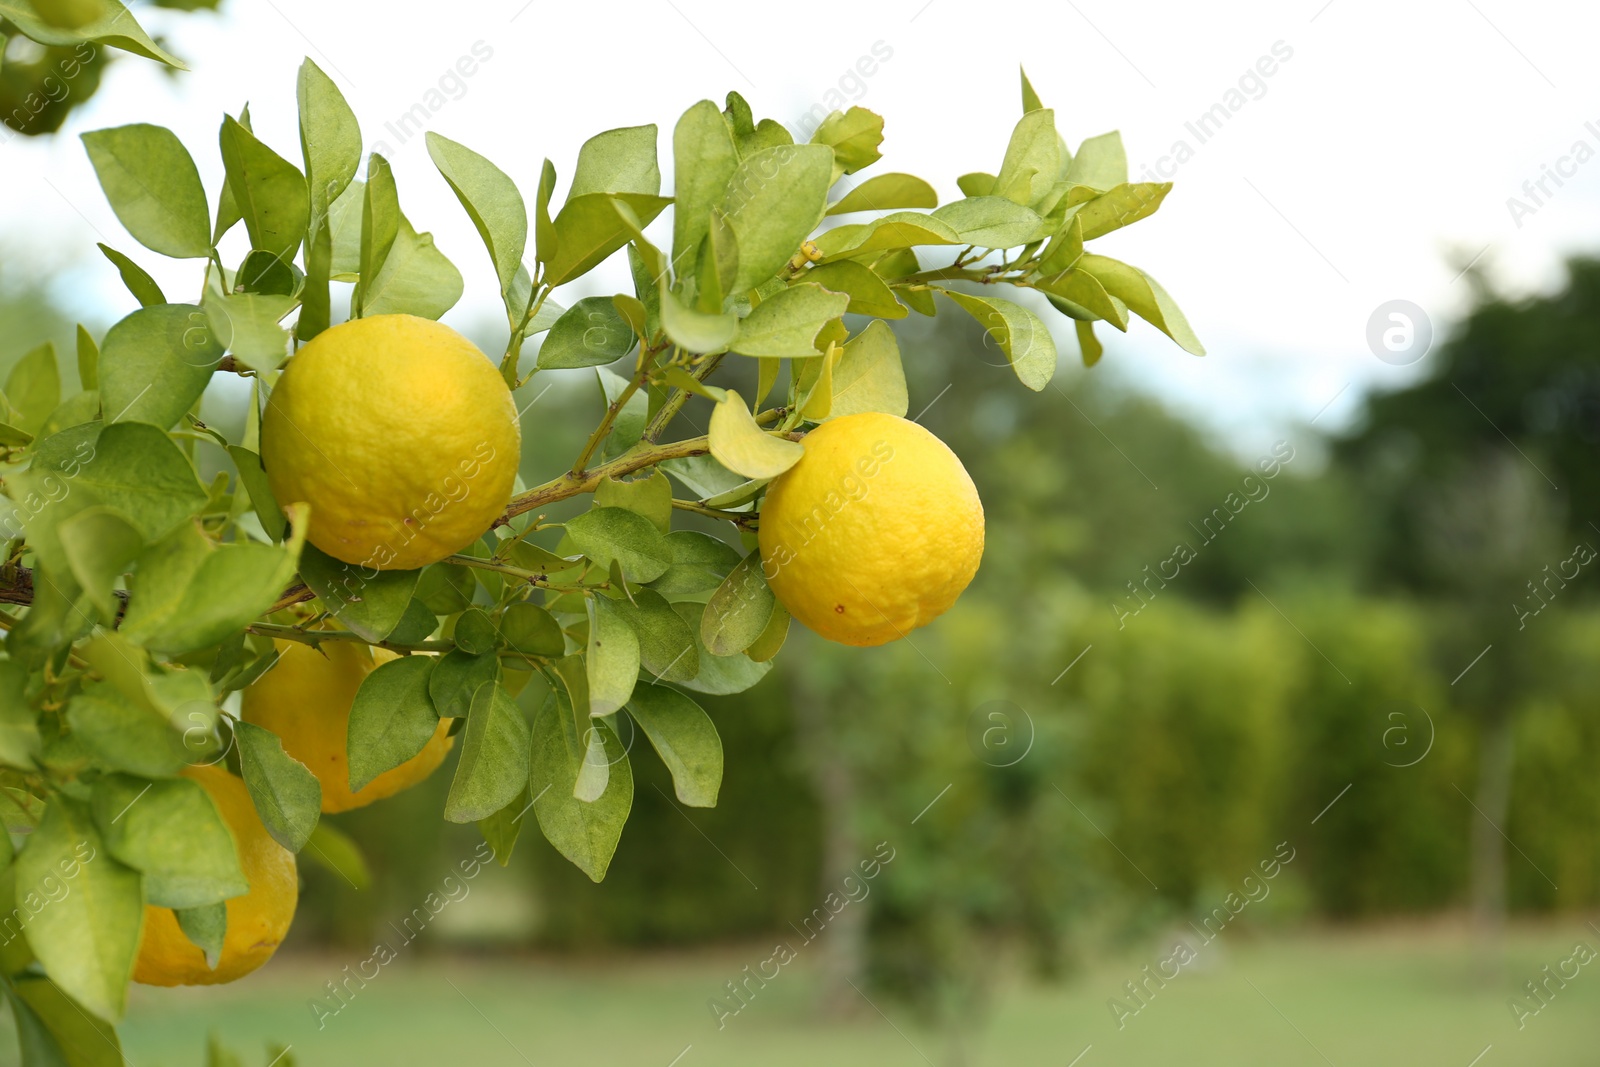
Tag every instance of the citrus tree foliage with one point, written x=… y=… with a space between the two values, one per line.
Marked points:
x=143 y=598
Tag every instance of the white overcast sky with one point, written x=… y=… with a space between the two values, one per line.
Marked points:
x=1393 y=135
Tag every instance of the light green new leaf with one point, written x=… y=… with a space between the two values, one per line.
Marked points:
x=155 y=363
x=612 y=658
x=1033 y=158
x=88 y=937
x=88 y=360
x=494 y=757
x=286 y=794
x=854 y=136
x=977 y=183
x=739 y=610
x=902 y=229
x=588 y=229
x=269 y=190
x=786 y=324
x=650 y=496
x=1021 y=335
x=154 y=188
x=1144 y=297
x=330 y=138
x=685 y=739
x=33 y=388
x=774 y=200
x=169 y=830
x=19 y=723
x=591 y=333
x=704 y=160
x=744 y=447
x=869 y=375
x=369 y=604
x=115 y=28
x=1088 y=343
x=886 y=192
x=1100 y=163
x=618 y=161
x=392 y=718
x=1121 y=206
x=416 y=278
x=139 y=283
x=606 y=534
x=380 y=225
x=1030 y=99
x=586 y=833
x=992 y=222
x=493 y=203
x=1063 y=250
x=692 y=330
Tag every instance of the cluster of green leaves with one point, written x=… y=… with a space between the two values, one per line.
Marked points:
x=152 y=596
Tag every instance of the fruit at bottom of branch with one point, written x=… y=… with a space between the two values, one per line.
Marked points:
x=305 y=699
x=257 y=921
x=401 y=436
x=875 y=532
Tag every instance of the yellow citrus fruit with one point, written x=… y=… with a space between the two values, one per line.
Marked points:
x=875 y=531
x=257 y=921
x=305 y=699
x=399 y=433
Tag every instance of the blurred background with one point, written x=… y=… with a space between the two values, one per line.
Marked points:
x=1267 y=733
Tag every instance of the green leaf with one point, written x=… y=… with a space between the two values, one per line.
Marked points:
x=392 y=718
x=976 y=183
x=886 y=192
x=618 y=161
x=992 y=222
x=752 y=137
x=699 y=563
x=774 y=200
x=544 y=228
x=269 y=191
x=606 y=534
x=612 y=659
x=1144 y=297
x=125 y=737
x=88 y=360
x=650 y=496
x=247 y=325
x=704 y=160
x=189 y=592
x=330 y=139
x=33 y=387
x=901 y=229
x=416 y=278
x=693 y=330
x=115 y=28
x=338 y=853
x=445 y=588
x=494 y=757
x=1092 y=350
x=1081 y=288
x=370 y=604
x=265 y=274
x=771 y=639
x=1100 y=163
x=154 y=188
x=685 y=739
x=869 y=294
x=53 y=1030
x=474 y=633
x=1030 y=99
x=140 y=284
x=786 y=324
x=88 y=937
x=253 y=475
x=719 y=675
x=1033 y=159
x=739 y=610
x=869 y=376
x=100 y=545
x=531 y=629
x=591 y=333
x=206 y=927
x=501 y=829
x=19 y=723
x=586 y=833
x=588 y=230
x=286 y=794
x=1021 y=335
x=458 y=675
x=1063 y=250
x=171 y=832
x=1120 y=206
x=743 y=447
x=155 y=363
x=666 y=645
x=854 y=136
x=492 y=202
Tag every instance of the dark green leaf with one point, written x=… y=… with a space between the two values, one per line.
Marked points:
x=531 y=629
x=738 y=611
x=494 y=757
x=606 y=534
x=392 y=718
x=586 y=833
x=287 y=795
x=457 y=676
x=170 y=831
x=206 y=927
x=369 y=603
x=684 y=738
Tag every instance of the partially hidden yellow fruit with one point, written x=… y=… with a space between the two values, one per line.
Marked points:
x=875 y=532
x=399 y=433
x=257 y=921
x=305 y=699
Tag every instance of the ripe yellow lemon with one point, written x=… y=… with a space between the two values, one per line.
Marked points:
x=257 y=921
x=305 y=699
x=401 y=436
x=875 y=531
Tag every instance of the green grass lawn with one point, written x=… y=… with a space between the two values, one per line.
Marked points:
x=1370 y=998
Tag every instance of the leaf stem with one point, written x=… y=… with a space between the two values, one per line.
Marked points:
x=679 y=397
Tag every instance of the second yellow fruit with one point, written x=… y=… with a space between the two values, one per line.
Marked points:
x=305 y=699
x=874 y=532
